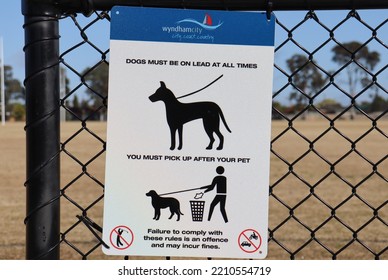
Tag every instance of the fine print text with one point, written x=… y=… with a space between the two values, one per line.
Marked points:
x=192 y=239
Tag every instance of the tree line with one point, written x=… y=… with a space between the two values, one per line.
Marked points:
x=306 y=78
x=14 y=95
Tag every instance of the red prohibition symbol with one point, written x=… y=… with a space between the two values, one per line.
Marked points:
x=121 y=237
x=249 y=241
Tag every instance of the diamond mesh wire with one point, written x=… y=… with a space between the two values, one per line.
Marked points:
x=328 y=191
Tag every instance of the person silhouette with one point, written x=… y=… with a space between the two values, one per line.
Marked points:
x=118 y=239
x=219 y=182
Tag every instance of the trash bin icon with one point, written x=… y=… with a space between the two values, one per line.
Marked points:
x=197 y=209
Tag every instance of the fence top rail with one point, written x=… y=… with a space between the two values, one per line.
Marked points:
x=48 y=7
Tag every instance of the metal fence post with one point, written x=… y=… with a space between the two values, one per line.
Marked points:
x=42 y=129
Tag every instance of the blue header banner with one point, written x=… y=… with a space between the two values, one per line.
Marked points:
x=192 y=26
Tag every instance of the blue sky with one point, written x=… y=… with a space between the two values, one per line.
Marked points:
x=11 y=29
x=310 y=35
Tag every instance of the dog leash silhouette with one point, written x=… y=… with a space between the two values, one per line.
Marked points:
x=194 y=92
x=197 y=196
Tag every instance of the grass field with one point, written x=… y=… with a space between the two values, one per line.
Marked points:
x=335 y=205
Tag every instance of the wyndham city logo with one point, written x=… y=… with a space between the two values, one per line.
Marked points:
x=207 y=22
x=191 y=29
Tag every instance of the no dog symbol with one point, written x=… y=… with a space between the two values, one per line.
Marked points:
x=121 y=237
x=249 y=240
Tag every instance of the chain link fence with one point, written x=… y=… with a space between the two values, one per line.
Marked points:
x=328 y=191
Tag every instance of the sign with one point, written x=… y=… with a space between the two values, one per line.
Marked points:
x=188 y=141
x=121 y=237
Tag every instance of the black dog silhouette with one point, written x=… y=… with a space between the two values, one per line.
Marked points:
x=180 y=113
x=164 y=202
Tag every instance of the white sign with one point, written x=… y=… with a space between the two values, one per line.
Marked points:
x=188 y=144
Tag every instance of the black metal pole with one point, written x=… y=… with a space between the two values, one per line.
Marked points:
x=87 y=6
x=42 y=129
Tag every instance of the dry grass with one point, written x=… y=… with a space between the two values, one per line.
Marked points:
x=346 y=190
x=294 y=235
x=12 y=199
